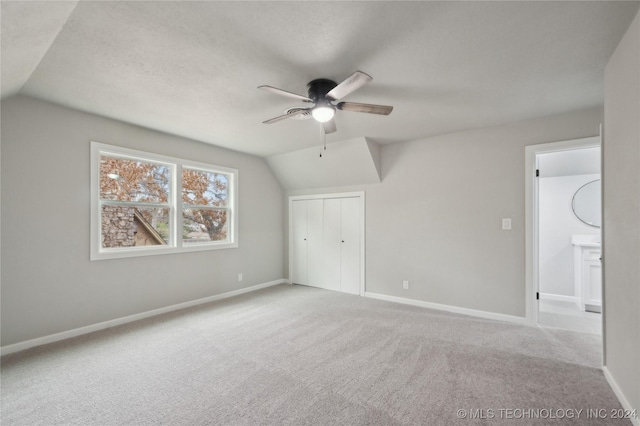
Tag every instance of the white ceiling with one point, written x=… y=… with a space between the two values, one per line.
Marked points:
x=572 y=162
x=192 y=68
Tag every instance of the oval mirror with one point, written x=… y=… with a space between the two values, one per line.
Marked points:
x=586 y=203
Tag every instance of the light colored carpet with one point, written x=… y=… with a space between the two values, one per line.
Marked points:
x=293 y=355
x=567 y=316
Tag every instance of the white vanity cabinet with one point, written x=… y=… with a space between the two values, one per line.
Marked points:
x=587 y=273
x=591 y=279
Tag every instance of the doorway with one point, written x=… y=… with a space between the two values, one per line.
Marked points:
x=564 y=247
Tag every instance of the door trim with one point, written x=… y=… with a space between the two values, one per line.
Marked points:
x=357 y=194
x=531 y=215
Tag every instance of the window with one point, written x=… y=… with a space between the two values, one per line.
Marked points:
x=145 y=204
x=205 y=198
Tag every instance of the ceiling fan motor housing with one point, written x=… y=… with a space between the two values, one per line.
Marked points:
x=319 y=88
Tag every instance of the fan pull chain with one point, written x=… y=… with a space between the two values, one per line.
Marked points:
x=325 y=141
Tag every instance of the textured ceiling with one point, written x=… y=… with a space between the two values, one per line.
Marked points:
x=192 y=68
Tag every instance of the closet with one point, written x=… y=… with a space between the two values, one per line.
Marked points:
x=326 y=241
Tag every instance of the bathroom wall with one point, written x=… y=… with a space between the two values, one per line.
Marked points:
x=557 y=224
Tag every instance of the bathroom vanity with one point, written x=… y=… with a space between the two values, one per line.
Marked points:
x=587 y=268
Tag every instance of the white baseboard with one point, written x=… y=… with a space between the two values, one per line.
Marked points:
x=16 y=347
x=621 y=397
x=449 y=308
x=559 y=298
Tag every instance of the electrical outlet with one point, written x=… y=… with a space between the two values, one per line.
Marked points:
x=240 y=276
x=405 y=285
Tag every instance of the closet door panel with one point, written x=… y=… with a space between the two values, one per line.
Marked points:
x=299 y=242
x=331 y=243
x=350 y=246
x=314 y=243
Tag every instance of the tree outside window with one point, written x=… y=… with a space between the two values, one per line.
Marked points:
x=135 y=202
x=146 y=204
x=204 y=205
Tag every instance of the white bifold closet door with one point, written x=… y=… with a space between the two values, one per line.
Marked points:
x=350 y=248
x=326 y=243
x=331 y=237
x=306 y=219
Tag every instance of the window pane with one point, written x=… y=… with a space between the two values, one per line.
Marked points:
x=132 y=180
x=204 y=225
x=200 y=188
x=124 y=226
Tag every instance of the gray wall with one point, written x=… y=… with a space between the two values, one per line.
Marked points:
x=621 y=243
x=435 y=219
x=48 y=283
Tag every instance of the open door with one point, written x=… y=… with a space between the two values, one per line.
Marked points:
x=564 y=245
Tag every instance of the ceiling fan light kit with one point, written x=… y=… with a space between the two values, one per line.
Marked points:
x=322 y=92
x=323 y=113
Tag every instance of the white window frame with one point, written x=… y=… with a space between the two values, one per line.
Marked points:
x=175 y=244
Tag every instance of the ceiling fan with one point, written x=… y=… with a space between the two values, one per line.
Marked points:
x=322 y=93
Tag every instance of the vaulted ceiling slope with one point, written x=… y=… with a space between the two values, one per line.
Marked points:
x=193 y=68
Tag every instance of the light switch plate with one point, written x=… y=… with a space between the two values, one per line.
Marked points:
x=506 y=224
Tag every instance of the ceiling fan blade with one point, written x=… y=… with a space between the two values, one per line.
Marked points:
x=330 y=126
x=285 y=93
x=352 y=83
x=368 y=108
x=288 y=115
